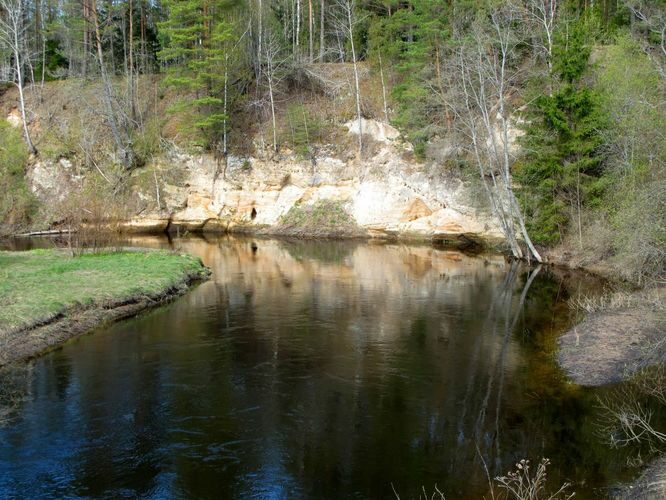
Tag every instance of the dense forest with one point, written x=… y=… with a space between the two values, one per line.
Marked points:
x=580 y=83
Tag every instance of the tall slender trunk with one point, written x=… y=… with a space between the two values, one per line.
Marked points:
x=350 y=26
x=310 y=26
x=298 y=22
x=38 y=24
x=270 y=92
x=259 y=38
x=440 y=85
x=130 y=69
x=224 y=120
x=19 y=85
x=381 y=75
x=322 y=40
x=142 y=22
x=86 y=38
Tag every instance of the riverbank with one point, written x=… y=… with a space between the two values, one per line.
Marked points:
x=622 y=333
x=48 y=297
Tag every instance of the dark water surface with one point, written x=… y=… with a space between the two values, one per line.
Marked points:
x=312 y=370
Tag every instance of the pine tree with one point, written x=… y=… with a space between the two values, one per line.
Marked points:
x=194 y=38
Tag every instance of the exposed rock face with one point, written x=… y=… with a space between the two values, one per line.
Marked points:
x=52 y=181
x=386 y=194
x=379 y=131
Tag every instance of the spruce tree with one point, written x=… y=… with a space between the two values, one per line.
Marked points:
x=561 y=167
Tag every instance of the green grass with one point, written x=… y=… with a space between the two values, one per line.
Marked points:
x=40 y=284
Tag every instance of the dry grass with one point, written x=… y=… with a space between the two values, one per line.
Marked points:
x=650 y=298
x=324 y=218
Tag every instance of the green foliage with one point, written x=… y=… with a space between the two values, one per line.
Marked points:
x=196 y=37
x=304 y=130
x=634 y=93
x=411 y=42
x=571 y=50
x=561 y=168
x=56 y=62
x=148 y=141
x=17 y=205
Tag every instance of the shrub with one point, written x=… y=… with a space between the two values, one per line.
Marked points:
x=323 y=218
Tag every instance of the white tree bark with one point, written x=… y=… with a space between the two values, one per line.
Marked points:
x=12 y=34
x=381 y=75
x=273 y=63
x=322 y=32
x=544 y=13
x=484 y=79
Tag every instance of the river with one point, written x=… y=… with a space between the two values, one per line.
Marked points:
x=312 y=370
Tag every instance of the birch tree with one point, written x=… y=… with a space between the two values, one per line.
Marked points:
x=486 y=67
x=13 y=37
x=544 y=13
x=274 y=62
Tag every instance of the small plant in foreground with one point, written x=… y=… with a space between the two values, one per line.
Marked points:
x=525 y=484
x=519 y=484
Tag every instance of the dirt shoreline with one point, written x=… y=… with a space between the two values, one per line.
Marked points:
x=608 y=347
x=27 y=343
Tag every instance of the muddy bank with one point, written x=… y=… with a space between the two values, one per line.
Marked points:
x=608 y=346
x=21 y=345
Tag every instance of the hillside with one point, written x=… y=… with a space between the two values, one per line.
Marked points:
x=523 y=124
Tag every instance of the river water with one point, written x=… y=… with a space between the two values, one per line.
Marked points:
x=312 y=370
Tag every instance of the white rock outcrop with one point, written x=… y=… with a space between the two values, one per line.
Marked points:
x=387 y=195
x=379 y=131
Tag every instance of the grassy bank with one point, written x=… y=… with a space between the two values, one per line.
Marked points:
x=47 y=288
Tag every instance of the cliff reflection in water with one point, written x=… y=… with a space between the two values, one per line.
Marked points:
x=310 y=370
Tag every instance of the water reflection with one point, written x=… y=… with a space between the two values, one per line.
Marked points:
x=311 y=370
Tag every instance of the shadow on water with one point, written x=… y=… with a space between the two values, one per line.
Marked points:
x=316 y=370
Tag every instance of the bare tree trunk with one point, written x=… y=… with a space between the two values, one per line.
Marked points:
x=86 y=37
x=350 y=32
x=272 y=98
x=271 y=50
x=381 y=75
x=484 y=80
x=298 y=22
x=260 y=35
x=544 y=13
x=130 y=69
x=38 y=23
x=322 y=40
x=19 y=85
x=310 y=27
x=125 y=152
x=224 y=121
x=12 y=35
x=142 y=27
